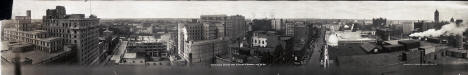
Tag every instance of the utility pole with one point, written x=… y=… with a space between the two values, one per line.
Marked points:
x=17 y=63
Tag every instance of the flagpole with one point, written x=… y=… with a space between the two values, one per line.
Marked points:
x=90 y=8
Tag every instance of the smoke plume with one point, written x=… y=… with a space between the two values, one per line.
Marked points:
x=448 y=29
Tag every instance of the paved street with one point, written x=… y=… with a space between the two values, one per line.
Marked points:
x=314 y=60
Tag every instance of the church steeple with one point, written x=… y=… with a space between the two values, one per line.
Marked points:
x=436 y=16
x=452 y=20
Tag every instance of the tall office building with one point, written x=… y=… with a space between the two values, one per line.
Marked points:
x=76 y=30
x=194 y=30
x=211 y=30
x=203 y=52
x=407 y=28
x=236 y=26
x=261 y=24
x=23 y=32
x=181 y=37
x=301 y=31
x=278 y=25
x=24 y=22
x=213 y=26
x=34 y=46
x=289 y=30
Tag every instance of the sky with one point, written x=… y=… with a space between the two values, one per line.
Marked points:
x=394 y=10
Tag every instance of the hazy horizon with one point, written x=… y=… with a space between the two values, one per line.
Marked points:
x=392 y=10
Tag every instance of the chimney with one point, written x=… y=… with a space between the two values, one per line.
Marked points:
x=28 y=13
x=459 y=39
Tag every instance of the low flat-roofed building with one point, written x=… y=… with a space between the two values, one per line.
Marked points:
x=370 y=47
x=33 y=56
x=410 y=44
x=38 y=38
x=393 y=48
x=371 y=60
x=132 y=59
x=345 y=50
x=455 y=52
x=352 y=37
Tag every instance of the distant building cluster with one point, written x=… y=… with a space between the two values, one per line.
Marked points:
x=61 y=38
x=198 y=38
x=395 y=42
x=73 y=35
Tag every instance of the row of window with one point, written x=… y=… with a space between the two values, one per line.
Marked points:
x=29 y=35
x=61 y=30
x=72 y=23
x=51 y=43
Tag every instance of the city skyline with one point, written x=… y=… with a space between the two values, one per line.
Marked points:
x=277 y=9
x=226 y=37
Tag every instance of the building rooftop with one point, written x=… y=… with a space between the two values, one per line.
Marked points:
x=391 y=42
x=345 y=50
x=206 y=41
x=371 y=60
x=265 y=33
x=4 y=45
x=101 y=38
x=130 y=55
x=50 y=38
x=351 y=36
x=408 y=41
x=36 y=56
x=368 y=46
x=457 y=50
x=146 y=39
x=32 y=31
x=285 y=37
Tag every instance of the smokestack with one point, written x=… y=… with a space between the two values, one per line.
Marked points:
x=28 y=13
x=459 y=36
x=459 y=40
